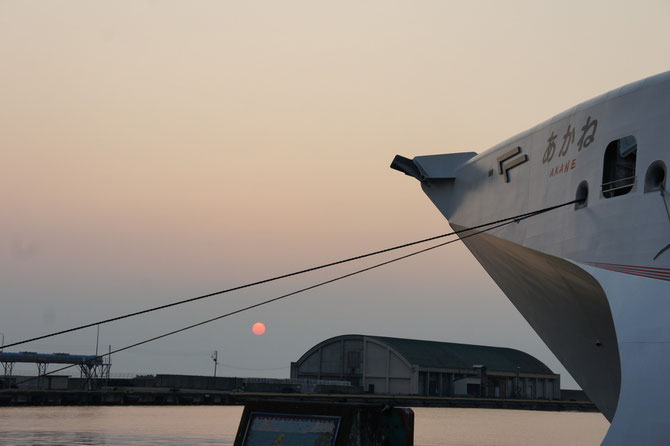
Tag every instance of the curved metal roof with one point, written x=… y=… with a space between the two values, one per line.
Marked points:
x=464 y=356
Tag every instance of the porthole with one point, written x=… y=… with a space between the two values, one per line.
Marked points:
x=582 y=195
x=655 y=177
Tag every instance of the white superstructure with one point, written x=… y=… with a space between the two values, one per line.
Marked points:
x=592 y=279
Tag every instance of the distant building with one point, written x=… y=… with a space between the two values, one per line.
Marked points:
x=383 y=365
x=49 y=382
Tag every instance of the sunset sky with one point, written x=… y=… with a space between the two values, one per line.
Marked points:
x=157 y=150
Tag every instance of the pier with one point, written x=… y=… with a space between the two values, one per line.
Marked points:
x=155 y=396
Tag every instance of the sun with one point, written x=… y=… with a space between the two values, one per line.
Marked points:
x=258 y=328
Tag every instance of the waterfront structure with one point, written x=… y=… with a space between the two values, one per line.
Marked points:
x=91 y=367
x=272 y=385
x=48 y=382
x=591 y=278
x=386 y=365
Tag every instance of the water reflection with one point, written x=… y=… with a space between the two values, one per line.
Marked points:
x=55 y=438
x=217 y=425
x=133 y=426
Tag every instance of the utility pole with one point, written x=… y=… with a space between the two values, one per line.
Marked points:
x=97 y=339
x=215 y=357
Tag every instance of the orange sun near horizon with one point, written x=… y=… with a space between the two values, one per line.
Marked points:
x=258 y=328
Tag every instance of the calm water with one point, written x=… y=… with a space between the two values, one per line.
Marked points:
x=216 y=425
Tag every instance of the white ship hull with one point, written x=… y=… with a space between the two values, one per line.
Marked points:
x=593 y=280
x=640 y=309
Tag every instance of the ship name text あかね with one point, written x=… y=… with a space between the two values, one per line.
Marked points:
x=566 y=139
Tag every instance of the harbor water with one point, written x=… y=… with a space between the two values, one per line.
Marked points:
x=217 y=425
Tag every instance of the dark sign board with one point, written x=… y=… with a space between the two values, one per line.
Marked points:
x=293 y=423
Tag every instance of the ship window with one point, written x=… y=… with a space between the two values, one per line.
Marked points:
x=619 y=167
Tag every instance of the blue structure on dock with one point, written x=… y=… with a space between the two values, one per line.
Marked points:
x=90 y=366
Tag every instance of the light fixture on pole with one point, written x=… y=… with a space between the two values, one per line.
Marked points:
x=215 y=357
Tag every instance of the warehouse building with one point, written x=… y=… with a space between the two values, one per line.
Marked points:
x=377 y=364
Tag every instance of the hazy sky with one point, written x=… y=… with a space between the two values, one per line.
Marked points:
x=157 y=150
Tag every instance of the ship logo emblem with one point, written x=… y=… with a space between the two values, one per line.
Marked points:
x=509 y=160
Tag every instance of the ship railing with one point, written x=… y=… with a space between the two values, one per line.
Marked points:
x=620 y=183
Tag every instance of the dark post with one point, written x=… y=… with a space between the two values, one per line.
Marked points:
x=517 y=390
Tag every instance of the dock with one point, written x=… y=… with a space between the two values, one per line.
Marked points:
x=153 y=396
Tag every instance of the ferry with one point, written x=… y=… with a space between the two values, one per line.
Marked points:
x=591 y=278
